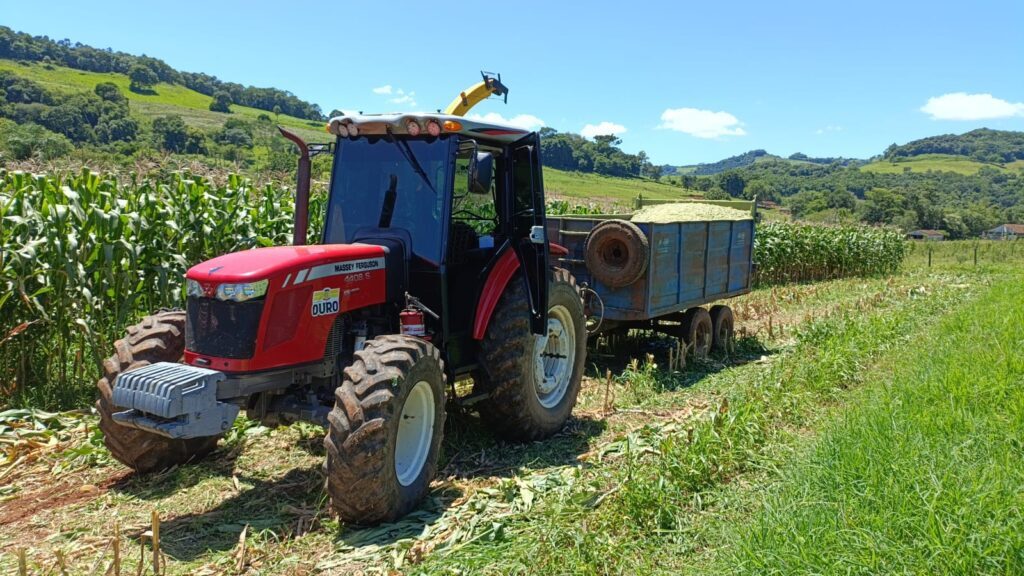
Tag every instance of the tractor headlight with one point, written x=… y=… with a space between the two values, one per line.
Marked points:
x=242 y=292
x=193 y=288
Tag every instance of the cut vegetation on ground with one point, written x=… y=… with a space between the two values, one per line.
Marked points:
x=660 y=471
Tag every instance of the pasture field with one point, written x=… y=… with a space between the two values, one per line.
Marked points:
x=806 y=449
x=606 y=190
x=963 y=254
x=193 y=107
x=937 y=163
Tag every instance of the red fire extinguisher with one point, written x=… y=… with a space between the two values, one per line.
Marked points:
x=412 y=320
x=413 y=323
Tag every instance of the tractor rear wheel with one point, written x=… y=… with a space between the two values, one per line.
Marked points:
x=534 y=380
x=158 y=338
x=385 y=430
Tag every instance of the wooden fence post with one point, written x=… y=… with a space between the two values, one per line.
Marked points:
x=156 y=543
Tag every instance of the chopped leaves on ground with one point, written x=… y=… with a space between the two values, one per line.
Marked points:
x=655 y=467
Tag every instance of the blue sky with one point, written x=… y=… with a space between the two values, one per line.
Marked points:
x=685 y=81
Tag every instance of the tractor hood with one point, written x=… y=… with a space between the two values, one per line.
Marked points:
x=269 y=308
x=301 y=261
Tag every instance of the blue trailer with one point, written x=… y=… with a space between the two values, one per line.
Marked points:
x=685 y=265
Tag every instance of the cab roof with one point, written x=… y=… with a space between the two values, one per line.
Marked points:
x=378 y=124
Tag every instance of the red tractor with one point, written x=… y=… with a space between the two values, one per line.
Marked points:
x=433 y=268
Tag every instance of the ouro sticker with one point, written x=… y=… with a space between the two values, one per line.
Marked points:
x=326 y=301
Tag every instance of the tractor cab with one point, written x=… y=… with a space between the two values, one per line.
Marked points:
x=449 y=194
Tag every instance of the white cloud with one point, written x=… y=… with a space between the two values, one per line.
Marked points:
x=964 y=106
x=602 y=129
x=524 y=121
x=400 y=95
x=701 y=123
x=403 y=98
x=829 y=128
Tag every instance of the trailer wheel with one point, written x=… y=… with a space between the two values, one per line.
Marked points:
x=158 y=338
x=721 y=328
x=533 y=380
x=616 y=253
x=385 y=430
x=697 y=331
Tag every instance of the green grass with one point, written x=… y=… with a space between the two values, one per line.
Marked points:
x=923 y=475
x=961 y=254
x=598 y=188
x=937 y=163
x=192 y=106
x=646 y=502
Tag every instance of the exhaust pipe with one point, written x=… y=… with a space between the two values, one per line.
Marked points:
x=301 y=189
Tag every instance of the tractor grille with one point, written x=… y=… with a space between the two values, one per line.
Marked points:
x=220 y=328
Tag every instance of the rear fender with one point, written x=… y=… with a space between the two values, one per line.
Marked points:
x=497 y=280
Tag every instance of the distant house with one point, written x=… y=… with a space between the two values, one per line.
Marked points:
x=934 y=235
x=1005 y=232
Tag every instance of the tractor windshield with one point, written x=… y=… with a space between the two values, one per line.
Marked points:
x=366 y=168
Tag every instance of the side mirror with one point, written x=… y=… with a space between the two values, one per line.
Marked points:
x=481 y=172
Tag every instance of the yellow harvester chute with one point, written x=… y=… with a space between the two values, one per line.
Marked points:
x=491 y=84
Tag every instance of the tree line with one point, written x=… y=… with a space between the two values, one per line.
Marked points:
x=21 y=46
x=38 y=123
x=100 y=117
x=568 y=151
x=962 y=205
x=983 y=145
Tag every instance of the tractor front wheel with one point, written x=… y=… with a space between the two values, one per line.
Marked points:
x=158 y=338
x=534 y=379
x=385 y=430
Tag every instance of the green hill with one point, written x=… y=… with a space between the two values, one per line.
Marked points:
x=193 y=107
x=590 y=187
x=937 y=163
x=753 y=157
x=163 y=99
x=983 y=145
x=738 y=161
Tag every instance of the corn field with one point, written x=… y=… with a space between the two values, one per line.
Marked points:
x=790 y=252
x=84 y=255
